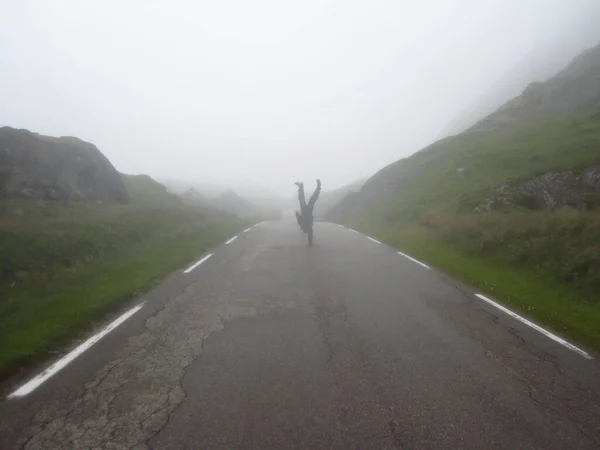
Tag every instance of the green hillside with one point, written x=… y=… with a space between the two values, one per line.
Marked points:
x=432 y=177
x=510 y=206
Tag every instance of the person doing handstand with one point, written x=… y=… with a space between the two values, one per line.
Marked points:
x=305 y=217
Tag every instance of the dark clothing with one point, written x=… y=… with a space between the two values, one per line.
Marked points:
x=299 y=219
x=305 y=216
x=314 y=197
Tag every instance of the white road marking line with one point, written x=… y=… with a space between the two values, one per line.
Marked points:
x=192 y=267
x=35 y=382
x=354 y=231
x=546 y=333
x=231 y=240
x=414 y=260
x=374 y=240
x=247 y=229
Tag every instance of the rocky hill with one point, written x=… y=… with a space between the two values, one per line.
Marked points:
x=50 y=169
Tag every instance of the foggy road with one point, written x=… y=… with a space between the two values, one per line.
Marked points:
x=268 y=344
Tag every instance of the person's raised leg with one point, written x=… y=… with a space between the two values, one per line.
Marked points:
x=313 y=198
x=301 y=197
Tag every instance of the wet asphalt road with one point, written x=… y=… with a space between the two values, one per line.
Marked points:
x=346 y=345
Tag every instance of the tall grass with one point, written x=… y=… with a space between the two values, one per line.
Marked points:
x=560 y=246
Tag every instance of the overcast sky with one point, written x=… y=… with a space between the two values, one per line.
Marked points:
x=267 y=92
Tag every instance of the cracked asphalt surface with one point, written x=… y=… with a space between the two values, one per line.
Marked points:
x=346 y=345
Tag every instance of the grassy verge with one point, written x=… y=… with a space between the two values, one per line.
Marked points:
x=59 y=300
x=547 y=301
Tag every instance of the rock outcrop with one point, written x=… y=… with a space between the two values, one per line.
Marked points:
x=49 y=169
x=548 y=192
